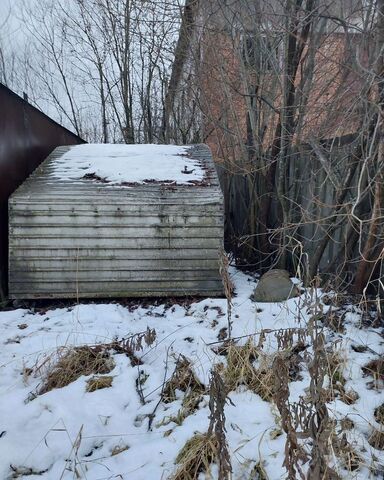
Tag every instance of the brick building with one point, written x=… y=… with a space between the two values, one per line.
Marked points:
x=237 y=59
x=269 y=85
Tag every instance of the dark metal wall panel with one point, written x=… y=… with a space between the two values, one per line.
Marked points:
x=27 y=136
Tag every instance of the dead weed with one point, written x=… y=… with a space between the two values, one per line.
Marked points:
x=334 y=321
x=379 y=414
x=375 y=369
x=67 y=364
x=196 y=456
x=189 y=405
x=348 y=456
x=183 y=379
x=99 y=382
x=72 y=363
x=117 y=449
x=337 y=381
x=240 y=370
x=258 y=472
x=376 y=439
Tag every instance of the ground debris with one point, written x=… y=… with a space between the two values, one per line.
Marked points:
x=19 y=472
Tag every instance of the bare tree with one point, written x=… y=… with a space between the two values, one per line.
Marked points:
x=7 y=55
x=289 y=96
x=103 y=65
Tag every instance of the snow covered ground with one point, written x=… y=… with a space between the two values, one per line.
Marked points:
x=70 y=433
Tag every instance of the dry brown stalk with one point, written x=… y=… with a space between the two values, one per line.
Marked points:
x=295 y=455
x=133 y=344
x=258 y=472
x=200 y=451
x=350 y=459
x=228 y=287
x=117 y=449
x=320 y=425
x=217 y=400
x=286 y=338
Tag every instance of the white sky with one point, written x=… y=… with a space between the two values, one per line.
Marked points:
x=9 y=23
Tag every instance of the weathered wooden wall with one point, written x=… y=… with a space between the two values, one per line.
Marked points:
x=88 y=239
x=27 y=136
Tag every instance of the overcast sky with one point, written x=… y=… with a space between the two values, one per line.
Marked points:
x=10 y=12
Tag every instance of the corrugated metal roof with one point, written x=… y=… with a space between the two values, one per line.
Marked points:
x=86 y=238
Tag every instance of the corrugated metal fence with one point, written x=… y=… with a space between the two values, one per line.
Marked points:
x=314 y=189
x=27 y=136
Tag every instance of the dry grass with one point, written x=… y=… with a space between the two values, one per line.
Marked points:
x=182 y=379
x=98 y=383
x=67 y=364
x=241 y=371
x=196 y=456
x=335 y=370
x=337 y=381
x=350 y=460
x=334 y=321
x=379 y=414
x=117 y=449
x=248 y=366
x=375 y=369
x=189 y=405
x=72 y=363
x=349 y=396
x=376 y=439
x=258 y=472
x=346 y=424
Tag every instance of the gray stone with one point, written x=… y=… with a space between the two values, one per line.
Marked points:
x=275 y=286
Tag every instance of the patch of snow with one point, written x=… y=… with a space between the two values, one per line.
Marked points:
x=119 y=164
x=68 y=433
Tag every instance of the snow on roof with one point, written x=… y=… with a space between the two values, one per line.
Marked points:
x=118 y=164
